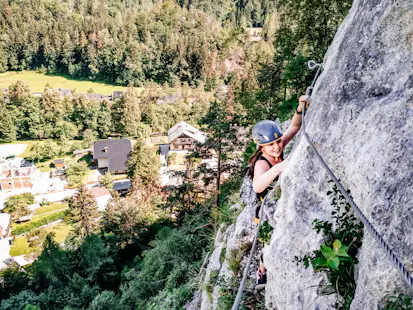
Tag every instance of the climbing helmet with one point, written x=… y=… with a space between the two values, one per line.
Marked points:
x=266 y=132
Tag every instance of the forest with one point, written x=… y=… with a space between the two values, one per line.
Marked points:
x=146 y=250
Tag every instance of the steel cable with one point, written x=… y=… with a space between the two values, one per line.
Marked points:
x=238 y=298
x=389 y=252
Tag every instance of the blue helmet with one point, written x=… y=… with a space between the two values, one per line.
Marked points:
x=266 y=132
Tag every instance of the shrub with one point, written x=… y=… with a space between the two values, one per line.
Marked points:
x=17 y=205
x=225 y=300
x=76 y=173
x=264 y=235
x=235 y=261
x=222 y=255
x=337 y=255
x=399 y=302
x=24 y=228
x=14 y=202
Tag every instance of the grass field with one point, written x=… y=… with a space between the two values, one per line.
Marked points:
x=20 y=245
x=38 y=81
x=53 y=207
x=61 y=231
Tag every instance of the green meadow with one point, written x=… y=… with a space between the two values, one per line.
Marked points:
x=38 y=81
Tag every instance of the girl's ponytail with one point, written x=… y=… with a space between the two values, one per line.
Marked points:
x=251 y=162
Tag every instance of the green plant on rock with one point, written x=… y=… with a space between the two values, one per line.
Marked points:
x=331 y=257
x=399 y=302
x=226 y=299
x=235 y=261
x=337 y=255
x=213 y=278
x=264 y=235
x=222 y=255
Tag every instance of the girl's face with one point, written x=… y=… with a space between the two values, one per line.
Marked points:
x=274 y=149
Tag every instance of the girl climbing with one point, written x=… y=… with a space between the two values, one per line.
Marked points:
x=268 y=162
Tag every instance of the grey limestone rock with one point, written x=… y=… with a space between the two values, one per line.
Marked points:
x=361 y=121
x=235 y=238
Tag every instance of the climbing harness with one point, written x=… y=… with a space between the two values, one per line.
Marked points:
x=389 y=252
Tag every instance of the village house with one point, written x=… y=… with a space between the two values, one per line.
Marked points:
x=97 y=97
x=184 y=137
x=80 y=153
x=4 y=239
x=158 y=138
x=112 y=155
x=16 y=175
x=117 y=95
x=63 y=92
x=182 y=140
x=59 y=163
x=101 y=195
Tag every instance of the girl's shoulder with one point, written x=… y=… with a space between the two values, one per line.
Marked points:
x=263 y=162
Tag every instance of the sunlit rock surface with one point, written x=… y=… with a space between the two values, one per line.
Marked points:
x=361 y=121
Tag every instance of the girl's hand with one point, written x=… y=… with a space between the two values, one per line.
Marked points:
x=303 y=98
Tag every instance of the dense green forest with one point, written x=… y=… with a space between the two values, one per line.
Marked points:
x=147 y=249
x=122 y=42
x=136 y=114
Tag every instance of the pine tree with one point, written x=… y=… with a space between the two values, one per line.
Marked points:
x=223 y=144
x=53 y=266
x=7 y=128
x=143 y=165
x=84 y=213
x=128 y=113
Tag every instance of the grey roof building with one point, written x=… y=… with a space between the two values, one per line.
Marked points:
x=112 y=154
x=65 y=92
x=117 y=94
x=97 y=97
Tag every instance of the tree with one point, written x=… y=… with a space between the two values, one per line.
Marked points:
x=84 y=213
x=8 y=131
x=88 y=138
x=223 y=143
x=107 y=180
x=76 y=173
x=53 y=106
x=3 y=60
x=17 y=205
x=53 y=266
x=14 y=280
x=127 y=112
x=143 y=164
x=19 y=300
x=106 y=300
x=44 y=150
x=128 y=218
x=65 y=130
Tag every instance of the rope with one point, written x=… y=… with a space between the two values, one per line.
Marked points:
x=389 y=252
x=238 y=298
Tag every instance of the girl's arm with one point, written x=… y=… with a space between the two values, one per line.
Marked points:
x=263 y=176
x=295 y=122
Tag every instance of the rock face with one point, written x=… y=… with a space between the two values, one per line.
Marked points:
x=361 y=121
x=228 y=260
